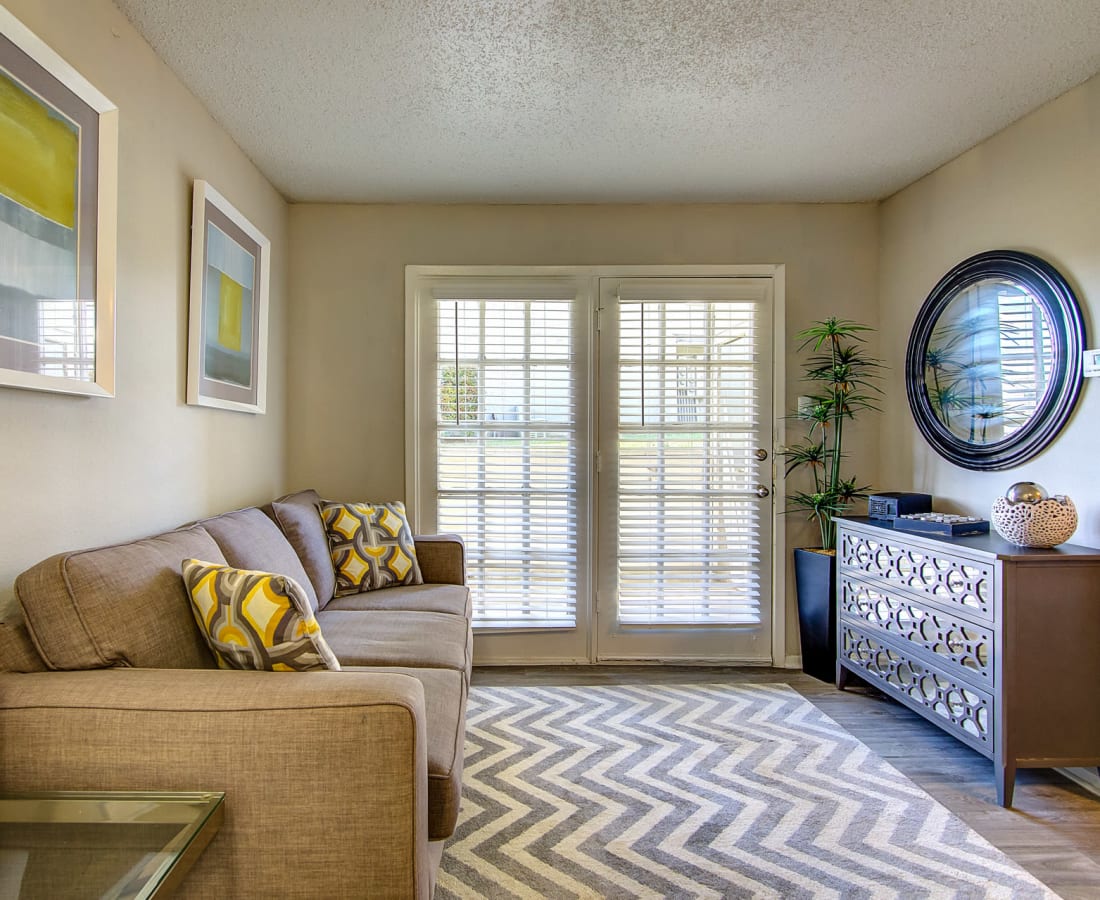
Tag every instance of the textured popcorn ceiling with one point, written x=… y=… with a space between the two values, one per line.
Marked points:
x=638 y=100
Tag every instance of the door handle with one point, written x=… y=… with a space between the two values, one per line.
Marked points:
x=762 y=491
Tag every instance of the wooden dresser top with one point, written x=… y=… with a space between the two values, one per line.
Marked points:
x=991 y=543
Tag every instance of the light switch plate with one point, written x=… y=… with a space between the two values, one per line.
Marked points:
x=1092 y=363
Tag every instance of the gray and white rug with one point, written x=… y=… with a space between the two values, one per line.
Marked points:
x=722 y=791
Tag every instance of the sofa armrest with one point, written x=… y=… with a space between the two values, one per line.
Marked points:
x=442 y=558
x=325 y=773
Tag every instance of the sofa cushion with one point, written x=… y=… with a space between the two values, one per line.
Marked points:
x=445 y=719
x=444 y=598
x=250 y=540
x=383 y=637
x=299 y=518
x=17 y=652
x=118 y=606
x=371 y=545
x=256 y=620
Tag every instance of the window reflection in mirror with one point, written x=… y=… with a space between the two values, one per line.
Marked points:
x=988 y=361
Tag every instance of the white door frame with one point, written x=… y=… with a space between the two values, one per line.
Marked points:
x=417 y=277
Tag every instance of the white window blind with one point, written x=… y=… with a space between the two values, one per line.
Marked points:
x=66 y=338
x=506 y=454
x=690 y=399
x=1026 y=355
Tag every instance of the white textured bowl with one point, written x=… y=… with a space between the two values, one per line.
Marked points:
x=1042 y=524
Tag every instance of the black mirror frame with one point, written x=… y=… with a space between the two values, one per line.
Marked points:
x=1067 y=329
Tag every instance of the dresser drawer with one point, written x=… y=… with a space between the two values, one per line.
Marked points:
x=961 y=647
x=955 y=706
x=952 y=580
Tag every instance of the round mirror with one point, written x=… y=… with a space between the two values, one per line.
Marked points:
x=993 y=367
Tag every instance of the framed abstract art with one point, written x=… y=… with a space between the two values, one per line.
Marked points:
x=58 y=219
x=227 y=335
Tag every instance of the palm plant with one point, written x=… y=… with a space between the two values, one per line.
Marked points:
x=844 y=378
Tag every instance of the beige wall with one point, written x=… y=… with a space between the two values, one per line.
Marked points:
x=79 y=472
x=1036 y=187
x=347 y=278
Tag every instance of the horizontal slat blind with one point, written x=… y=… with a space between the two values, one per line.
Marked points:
x=66 y=338
x=1026 y=355
x=689 y=532
x=507 y=455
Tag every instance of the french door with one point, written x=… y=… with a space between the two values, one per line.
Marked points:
x=684 y=444
x=501 y=445
x=603 y=444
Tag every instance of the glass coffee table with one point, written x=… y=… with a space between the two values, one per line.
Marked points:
x=68 y=845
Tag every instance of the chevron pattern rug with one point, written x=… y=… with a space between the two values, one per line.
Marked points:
x=723 y=791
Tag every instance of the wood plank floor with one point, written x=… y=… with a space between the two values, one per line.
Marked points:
x=1053 y=829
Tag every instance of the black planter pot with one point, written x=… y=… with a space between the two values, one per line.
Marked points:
x=815 y=584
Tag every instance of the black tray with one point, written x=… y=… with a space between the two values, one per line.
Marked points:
x=950 y=529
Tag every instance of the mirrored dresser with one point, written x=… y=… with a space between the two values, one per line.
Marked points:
x=996 y=644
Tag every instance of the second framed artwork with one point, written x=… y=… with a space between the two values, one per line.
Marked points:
x=227 y=333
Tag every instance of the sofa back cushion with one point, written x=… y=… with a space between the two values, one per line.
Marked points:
x=250 y=540
x=299 y=518
x=118 y=606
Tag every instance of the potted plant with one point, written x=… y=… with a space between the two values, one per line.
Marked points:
x=844 y=379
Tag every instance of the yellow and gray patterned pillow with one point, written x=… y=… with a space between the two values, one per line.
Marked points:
x=371 y=545
x=256 y=620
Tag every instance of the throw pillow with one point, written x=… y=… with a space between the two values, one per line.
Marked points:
x=256 y=620
x=371 y=545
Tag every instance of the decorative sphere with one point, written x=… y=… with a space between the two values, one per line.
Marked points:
x=1026 y=492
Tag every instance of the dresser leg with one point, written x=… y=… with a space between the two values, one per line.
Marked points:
x=1005 y=777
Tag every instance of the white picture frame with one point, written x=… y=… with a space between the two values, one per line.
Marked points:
x=227 y=330
x=58 y=221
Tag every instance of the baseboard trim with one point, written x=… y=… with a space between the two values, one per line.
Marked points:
x=1089 y=779
x=529 y=661
x=620 y=661
x=678 y=661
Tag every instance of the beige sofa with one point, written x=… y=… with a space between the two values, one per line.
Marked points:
x=338 y=784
